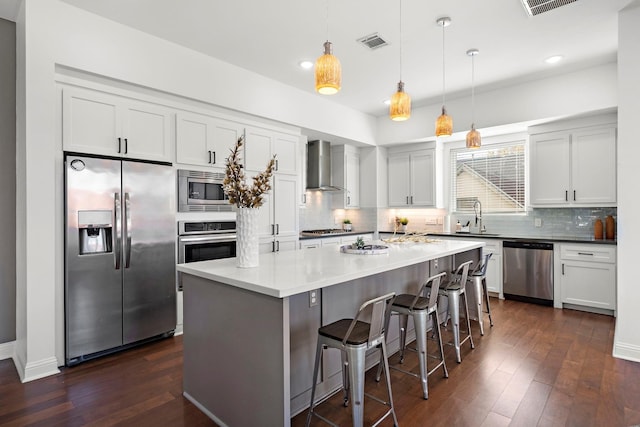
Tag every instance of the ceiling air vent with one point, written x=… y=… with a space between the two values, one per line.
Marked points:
x=373 y=41
x=536 y=7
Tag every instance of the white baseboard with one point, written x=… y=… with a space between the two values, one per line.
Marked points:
x=627 y=351
x=35 y=370
x=7 y=349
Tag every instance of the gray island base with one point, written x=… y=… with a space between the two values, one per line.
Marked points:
x=250 y=334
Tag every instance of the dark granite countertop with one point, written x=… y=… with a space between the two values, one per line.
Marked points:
x=565 y=239
x=345 y=233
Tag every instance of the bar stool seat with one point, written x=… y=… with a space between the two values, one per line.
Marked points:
x=420 y=309
x=478 y=280
x=354 y=337
x=455 y=291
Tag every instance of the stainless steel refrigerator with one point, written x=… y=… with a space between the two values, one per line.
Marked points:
x=120 y=286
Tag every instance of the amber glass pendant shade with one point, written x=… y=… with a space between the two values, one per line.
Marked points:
x=444 y=124
x=400 y=107
x=328 y=72
x=473 y=138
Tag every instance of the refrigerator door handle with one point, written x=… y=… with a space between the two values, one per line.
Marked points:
x=117 y=230
x=127 y=230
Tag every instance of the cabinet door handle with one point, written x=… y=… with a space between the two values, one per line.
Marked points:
x=209 y=156
x=277 y=229
x=273 y=246
x=278 y=245
x=273 y=229
x=126 y=146
x=566 y=196
x=277 y=165
x=119 y=145
x=407 y=199
x=348 y=201
x=574 y=195
x=214 y=157
x=411 y=199
x=563 y=269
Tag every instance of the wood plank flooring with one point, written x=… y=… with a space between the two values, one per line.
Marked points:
x=537 y=366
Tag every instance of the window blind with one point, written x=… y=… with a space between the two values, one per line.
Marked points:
x=492 y=174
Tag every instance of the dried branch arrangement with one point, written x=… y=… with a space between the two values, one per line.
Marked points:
x=235 y=186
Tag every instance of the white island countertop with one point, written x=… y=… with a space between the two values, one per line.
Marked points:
x=287 y=273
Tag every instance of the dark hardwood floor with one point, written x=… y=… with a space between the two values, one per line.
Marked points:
x=537 y=366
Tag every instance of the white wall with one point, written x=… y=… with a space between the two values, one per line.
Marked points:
x=627 y=337
x=7 y=182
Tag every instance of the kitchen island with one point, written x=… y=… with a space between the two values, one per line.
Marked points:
x=250 y=334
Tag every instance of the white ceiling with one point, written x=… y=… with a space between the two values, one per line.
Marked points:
x=271 y=37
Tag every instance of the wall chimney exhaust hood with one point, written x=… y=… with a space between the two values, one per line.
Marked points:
x=319 y=166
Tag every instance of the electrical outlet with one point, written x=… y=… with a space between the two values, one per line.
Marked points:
x=538 y=222
x=313 y=298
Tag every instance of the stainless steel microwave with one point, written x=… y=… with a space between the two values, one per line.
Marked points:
x=201 y=192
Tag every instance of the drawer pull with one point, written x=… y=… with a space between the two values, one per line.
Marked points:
x=585 y=253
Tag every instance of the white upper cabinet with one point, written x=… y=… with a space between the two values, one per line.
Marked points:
x=98 y=123
x=261 y=144
x=204 y=140
x=574 y=168
x=345 y=173
x=411 y=178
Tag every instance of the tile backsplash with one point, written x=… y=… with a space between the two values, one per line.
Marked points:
x=553 y=222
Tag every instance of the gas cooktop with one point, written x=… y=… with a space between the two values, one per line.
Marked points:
x=322 y=232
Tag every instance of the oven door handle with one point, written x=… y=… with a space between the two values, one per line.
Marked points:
x=204 y=239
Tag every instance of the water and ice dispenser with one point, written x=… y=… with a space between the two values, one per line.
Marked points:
x=95 y=232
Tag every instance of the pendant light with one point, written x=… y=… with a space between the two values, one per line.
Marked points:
x=473 y=137
x=400 y=106
x=328 y=69
x=444 y=123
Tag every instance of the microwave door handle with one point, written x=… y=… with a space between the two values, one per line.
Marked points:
x=117 y=230
x=127 y=230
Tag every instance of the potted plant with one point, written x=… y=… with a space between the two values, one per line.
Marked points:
x=403 y=223
x=346 y=224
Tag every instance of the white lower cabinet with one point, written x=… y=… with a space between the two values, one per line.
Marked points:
x=494 y=269
x=588 y=276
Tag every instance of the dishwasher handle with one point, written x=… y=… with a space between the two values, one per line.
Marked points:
x=525 y=244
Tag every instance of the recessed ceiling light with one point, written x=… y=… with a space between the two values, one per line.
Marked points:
x=306 y=64
x=553 y=59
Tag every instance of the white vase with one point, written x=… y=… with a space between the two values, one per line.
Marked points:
x=247 y=240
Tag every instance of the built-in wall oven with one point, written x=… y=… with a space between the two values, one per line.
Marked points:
x=205 y=240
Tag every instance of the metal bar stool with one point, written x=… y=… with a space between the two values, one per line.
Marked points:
x=455 y=291
x=354 y=338
x=478 y=278
x=421 y=309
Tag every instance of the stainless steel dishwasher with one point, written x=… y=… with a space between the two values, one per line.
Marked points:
x=528 y=271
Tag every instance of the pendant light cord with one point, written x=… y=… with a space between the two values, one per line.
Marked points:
x=327 y=13
x=400 y=39
x=473 y=91
x=443 y=25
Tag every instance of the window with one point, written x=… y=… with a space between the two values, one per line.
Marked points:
x=493 y=174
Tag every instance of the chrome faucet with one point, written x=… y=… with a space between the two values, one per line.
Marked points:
x=477 y=209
